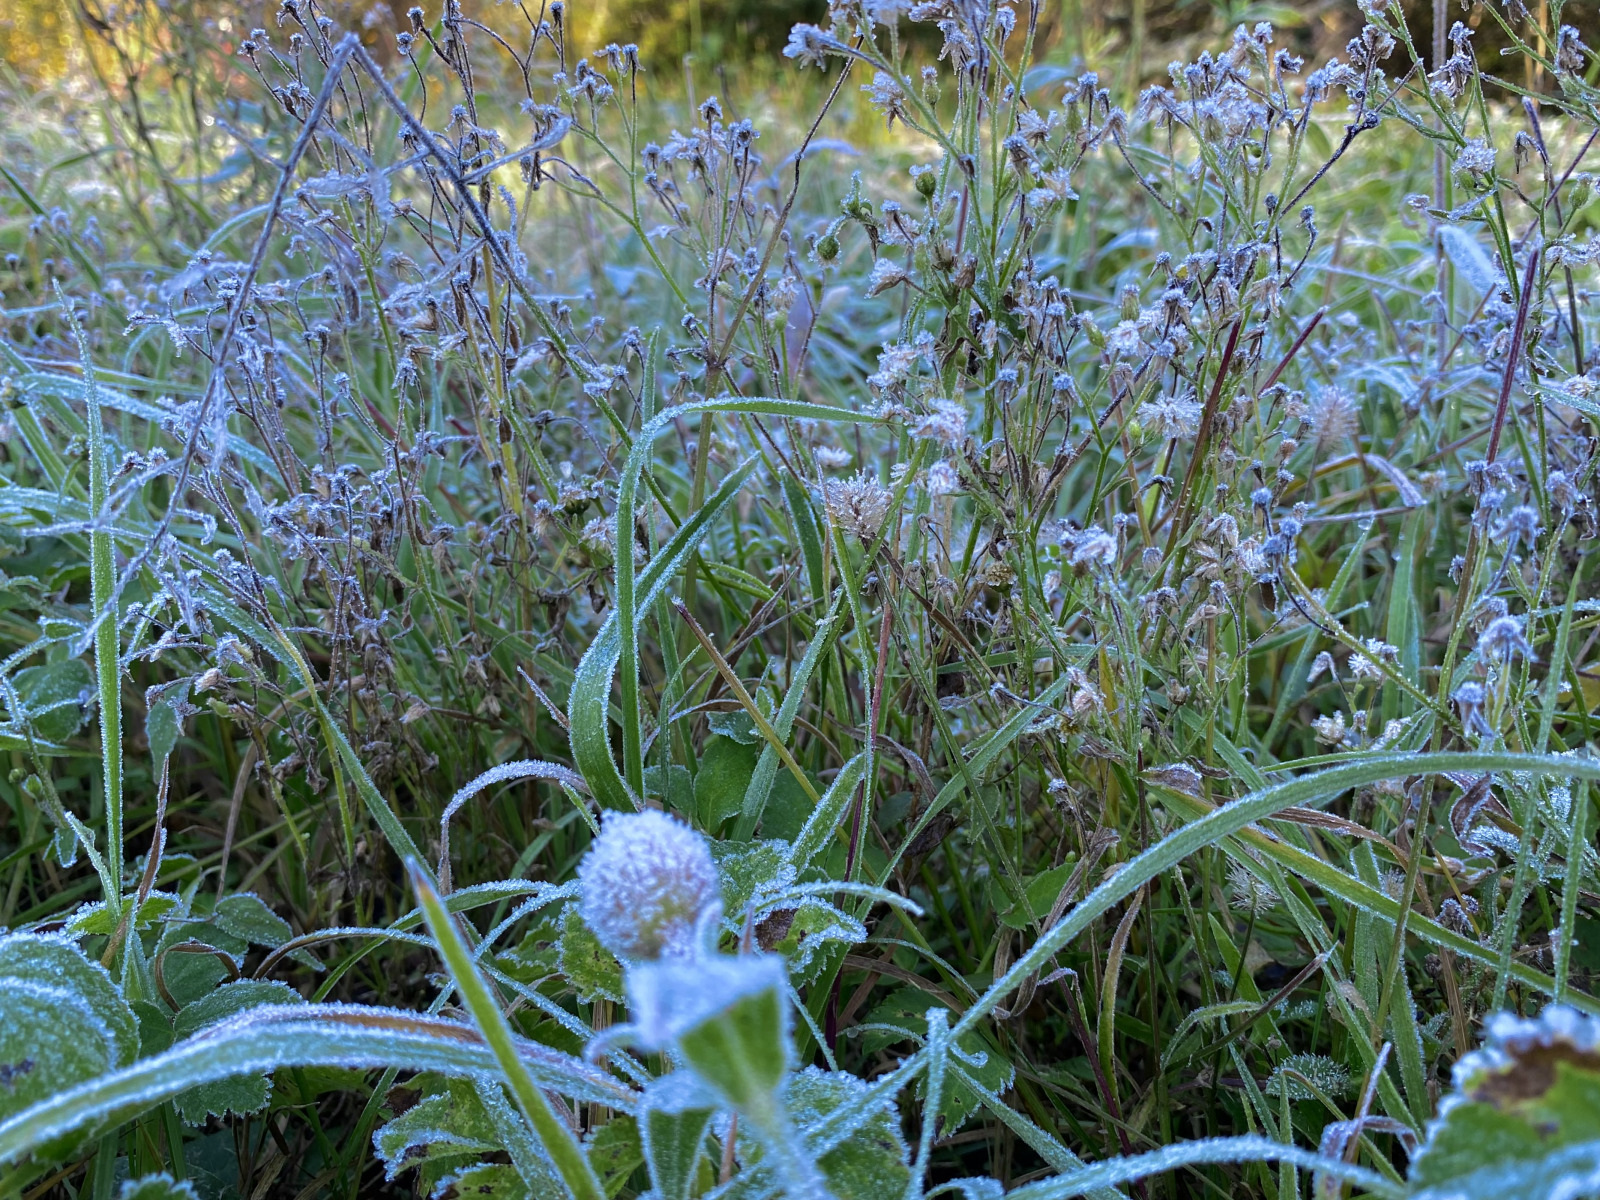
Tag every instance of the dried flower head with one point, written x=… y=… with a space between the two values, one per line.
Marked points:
x=1171 y=416
x=1333 y=415
x=647 y=882
x=857 y=505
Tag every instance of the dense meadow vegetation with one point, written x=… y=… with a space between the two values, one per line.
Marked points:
x=894 y=619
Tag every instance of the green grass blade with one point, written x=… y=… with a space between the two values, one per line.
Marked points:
x=560 y=1142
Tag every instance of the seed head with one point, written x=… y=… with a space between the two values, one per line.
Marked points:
x=858 y=505
x=647 y=881
x=1333 y=416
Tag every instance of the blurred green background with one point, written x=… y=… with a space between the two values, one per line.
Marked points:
x=46 y=41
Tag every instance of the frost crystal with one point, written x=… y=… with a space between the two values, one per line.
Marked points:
x=647 y=881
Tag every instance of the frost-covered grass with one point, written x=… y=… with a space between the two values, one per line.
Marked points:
x=916 y=623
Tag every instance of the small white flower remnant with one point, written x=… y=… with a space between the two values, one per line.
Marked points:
x=1250 y=895
x=947 y=423
x=894 y=365
x=1091 y=549
x=886 y=95
x=1333 y=415
x=1124 y=339
x=885 y=275
x=832 y=458
x=943 y=479
x=1365 y=664
x=1476 y=159
x=647 y=883
x=857 y=505
x=1331 y=731
x=1171 y=416
x=810 y=46
x=1502 y=640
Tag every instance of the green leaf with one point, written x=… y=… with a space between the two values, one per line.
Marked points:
x=589 y=700
x=736 y=725
x=50 y=1040
x=158 y=1187
x=60 y=964
x=1531 y=1092
x=589 y=967
x=675 y=788
x=487 y=1181
x=310 y=1035
x=905 y=1009
x=556 y=1137
x=1038 y=898
x=247 y=917
x=1220 y=823
x=614 y=1152
x=243 y=1093
x=439 y=1135
x=162 y=726
x=57 y=697
x=744 y=868
x=726 y=767
x=673 y=1118
x=873 y=1163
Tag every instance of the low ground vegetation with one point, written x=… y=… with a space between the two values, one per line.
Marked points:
x=947 y=625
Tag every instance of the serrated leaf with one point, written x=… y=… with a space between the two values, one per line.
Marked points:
x=243 y=1093
x=746 y=868
x=873 y=1163
x=158 y=1187
x=1531 y=1093
x=60 y=964
x=440 y=1135
x=589 y=967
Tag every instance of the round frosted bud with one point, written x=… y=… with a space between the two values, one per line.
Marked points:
x=827 y=247
x=646 y=881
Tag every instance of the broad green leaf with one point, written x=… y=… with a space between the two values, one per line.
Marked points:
x=243 y=1093
x=441 y=1134
x=589 y=967
x=1531 y=1092
x=614 y=1151
x=246 y=916
x=484 y=1181
x=872 y=1163
x=726 y=767
x=56 y=963
x=305 y=1035
x=50 y=1040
